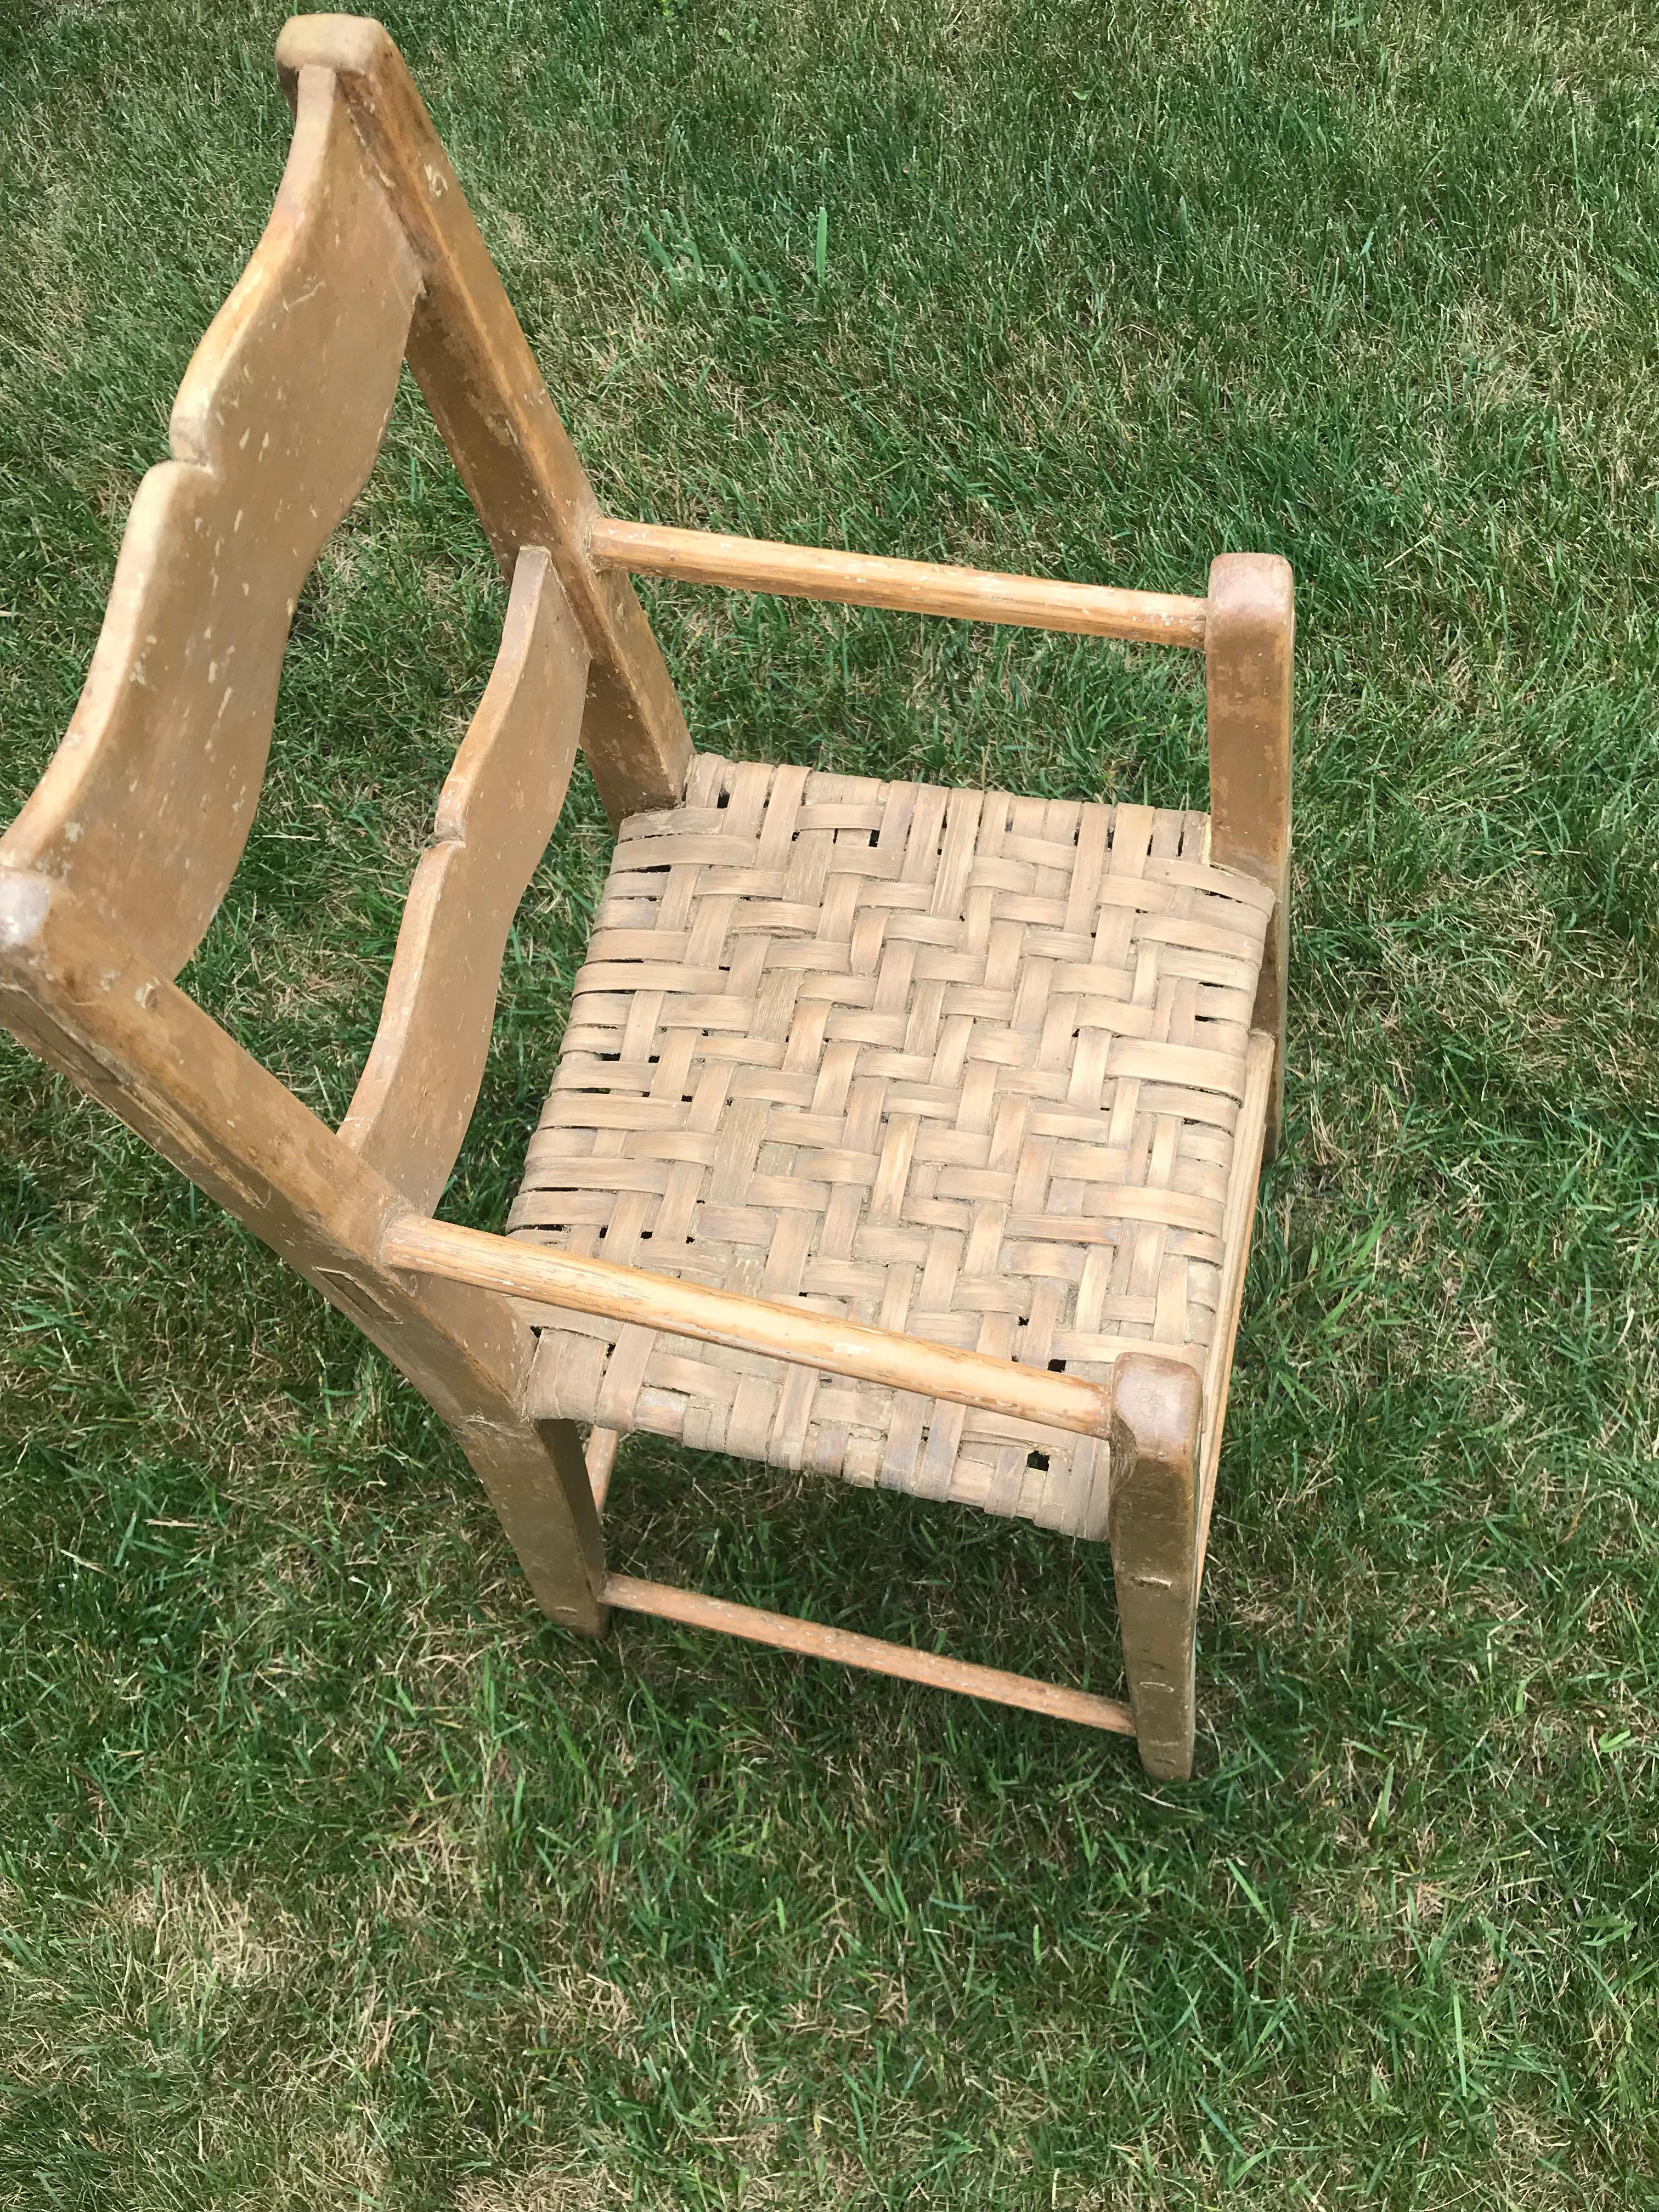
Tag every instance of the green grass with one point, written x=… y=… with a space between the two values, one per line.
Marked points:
x=329 y=1875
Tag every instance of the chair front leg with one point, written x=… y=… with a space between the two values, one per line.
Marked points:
x=1250 y=649
x=1152 y=1524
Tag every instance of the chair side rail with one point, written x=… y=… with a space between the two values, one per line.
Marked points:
x=811 y=1639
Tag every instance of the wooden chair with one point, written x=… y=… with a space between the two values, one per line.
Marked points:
x=908 y=1135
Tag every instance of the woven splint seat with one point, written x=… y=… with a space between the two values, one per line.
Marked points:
x=902 y=1134
x=954 y=1064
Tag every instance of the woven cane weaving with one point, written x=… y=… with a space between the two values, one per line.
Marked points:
x=958 y=1065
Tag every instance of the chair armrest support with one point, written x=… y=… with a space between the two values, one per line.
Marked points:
x=1250 y=650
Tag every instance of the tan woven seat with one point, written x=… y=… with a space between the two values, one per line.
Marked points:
x=948 y=1062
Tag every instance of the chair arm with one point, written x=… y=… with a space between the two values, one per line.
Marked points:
x=744 y=1324
x=870 y=580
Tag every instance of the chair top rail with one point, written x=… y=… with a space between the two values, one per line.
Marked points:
x=631 y=1295
x=868 y=580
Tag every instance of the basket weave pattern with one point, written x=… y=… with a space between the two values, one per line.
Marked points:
x=958 y=1065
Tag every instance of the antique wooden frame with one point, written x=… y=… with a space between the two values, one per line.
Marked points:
x=117 y=863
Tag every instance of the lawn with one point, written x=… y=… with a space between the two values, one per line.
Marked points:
x=329 y=1876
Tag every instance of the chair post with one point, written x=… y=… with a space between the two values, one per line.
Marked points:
x=1249 y=639
x=1152 y=1526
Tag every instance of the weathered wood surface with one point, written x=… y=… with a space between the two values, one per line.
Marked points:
x=1249 y=650
x=495 y=814
x=101 y=1012
x=147 y=804
x=1154 y=1539
x=481 y=382
x=870 y=580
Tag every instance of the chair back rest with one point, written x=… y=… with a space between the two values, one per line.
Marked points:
x=370 y=256
x=146 y=806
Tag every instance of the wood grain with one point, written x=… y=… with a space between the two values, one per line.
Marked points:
x=811 y=1641
x=146 y=807
x=480 y=379
x=600 y=1457
x=495 y=814
x=868 y=580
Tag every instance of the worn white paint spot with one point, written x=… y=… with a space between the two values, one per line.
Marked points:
x=23 y=903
